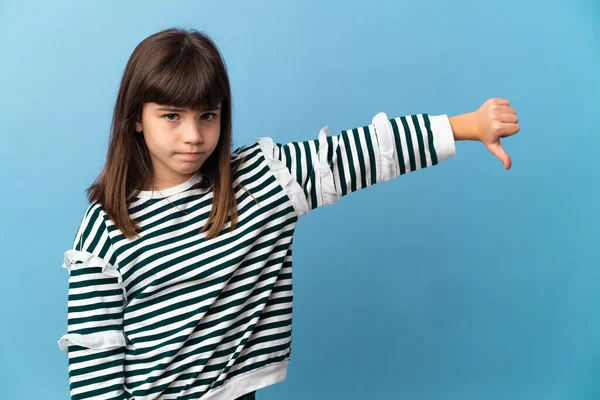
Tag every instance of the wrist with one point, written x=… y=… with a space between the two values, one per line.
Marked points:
x=464 y=127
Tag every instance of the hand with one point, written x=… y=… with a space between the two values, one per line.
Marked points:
x=494 y=120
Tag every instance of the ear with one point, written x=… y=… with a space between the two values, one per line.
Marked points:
x=138 y=126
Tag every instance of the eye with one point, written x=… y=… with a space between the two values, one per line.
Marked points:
x=168 y=117
x=209 y=116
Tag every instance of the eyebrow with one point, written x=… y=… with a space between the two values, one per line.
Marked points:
x=178 y=109
x=170 y=109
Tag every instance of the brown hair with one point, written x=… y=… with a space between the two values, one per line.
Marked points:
x=179 y=68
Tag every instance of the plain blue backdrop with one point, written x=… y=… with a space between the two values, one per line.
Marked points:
x=462 y=281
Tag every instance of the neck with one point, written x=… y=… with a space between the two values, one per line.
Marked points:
x=162 y=184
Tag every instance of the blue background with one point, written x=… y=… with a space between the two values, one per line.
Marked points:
x=462 y=281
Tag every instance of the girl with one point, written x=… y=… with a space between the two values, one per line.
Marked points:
x=180 y=275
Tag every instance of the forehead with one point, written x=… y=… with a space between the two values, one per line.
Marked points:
x=172 y=108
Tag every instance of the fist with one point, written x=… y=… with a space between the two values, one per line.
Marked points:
x=496 y=119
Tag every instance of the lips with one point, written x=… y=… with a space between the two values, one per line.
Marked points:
x=191 y=155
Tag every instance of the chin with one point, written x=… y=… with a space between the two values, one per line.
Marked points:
x=189 y=170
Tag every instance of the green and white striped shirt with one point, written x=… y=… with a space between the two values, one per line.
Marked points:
x=175 y=316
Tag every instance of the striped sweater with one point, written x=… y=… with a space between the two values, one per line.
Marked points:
x=172 y=315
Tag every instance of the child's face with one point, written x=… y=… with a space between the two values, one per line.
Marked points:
x=179 y=140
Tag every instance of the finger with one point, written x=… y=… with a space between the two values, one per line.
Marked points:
x=509 y=129
x=497 y=150
x=508 y=118
x=507 y=110
x=501 y=101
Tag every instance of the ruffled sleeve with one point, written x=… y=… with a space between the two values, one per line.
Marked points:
x=291 y=186
x=319 y=172
x=95 y=341
x=83 y=268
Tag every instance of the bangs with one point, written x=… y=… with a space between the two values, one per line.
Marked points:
x=187 y=79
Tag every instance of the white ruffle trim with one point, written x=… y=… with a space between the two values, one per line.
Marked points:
x=98 y=341
x=443 y=137
x=388 y=168
x=329 y=193
x=87 y=259
x=291 y=187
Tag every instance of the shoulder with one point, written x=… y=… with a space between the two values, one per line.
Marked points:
x=259 y=151
x=261 y=147
x=93 y=225
x=247 y=150
x=94 y=214
x=92 y=247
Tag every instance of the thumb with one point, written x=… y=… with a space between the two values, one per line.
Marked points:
x=497 y=150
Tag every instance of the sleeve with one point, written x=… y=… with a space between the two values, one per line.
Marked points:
x=319 y=172
x=94 y=342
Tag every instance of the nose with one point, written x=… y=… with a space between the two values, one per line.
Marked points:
x=193 y=134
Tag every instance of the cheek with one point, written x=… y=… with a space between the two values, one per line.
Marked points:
x=211 y=140
x=157 y=143
x=216 y=136
x=166 y=142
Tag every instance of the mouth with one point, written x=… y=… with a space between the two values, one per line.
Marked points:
x=191 y=155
